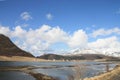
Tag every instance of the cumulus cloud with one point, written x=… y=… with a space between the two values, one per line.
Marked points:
x=49 y=16
x=5 y=30
x=41 y=39
x=35 y=40
x=110 y=42
x=103 y=32
x=78 y=39
x=26 y=16
x=18 y=32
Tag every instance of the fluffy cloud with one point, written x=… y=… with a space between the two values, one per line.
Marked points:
x=25 y=16
x=105 y=43
x=40 y=39
x=103 y=32
x=43 y=37
x=78 y=39
x=5 y=30
x=18 y=32
x=49 y=16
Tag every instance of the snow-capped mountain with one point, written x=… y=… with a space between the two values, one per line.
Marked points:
x=84 y=51
x=95 y=51
x=115 y=54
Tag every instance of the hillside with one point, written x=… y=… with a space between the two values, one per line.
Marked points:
x=75 y=57
x=106 y=52
x=8 y=48
x=59 y=57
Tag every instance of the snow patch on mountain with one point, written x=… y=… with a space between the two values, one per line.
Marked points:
x=108 y=52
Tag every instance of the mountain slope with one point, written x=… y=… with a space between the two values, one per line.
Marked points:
x=75 y=57
x=59 y=57
x=90 y=51
x=8 y=48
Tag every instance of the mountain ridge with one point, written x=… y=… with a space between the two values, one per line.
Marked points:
x=93 y=51
x=76 y=57
x=8 y=48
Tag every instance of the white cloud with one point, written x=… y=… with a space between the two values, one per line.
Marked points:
x=103 y=32
x=25 y=16
x=40 y=39
x=35 y=40
x=43 y=37
x=109 y=45
x=78 y=39
x=49 y=16
x=5 y=30
x=110 y=42
x=18 y=32
x=56 y=35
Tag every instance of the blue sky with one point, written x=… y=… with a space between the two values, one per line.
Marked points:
x=69 y=16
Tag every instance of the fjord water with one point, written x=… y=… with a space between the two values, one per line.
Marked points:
x=60 y=70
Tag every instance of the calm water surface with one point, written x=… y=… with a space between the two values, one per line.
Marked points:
x=14 y=75
x=61 y=70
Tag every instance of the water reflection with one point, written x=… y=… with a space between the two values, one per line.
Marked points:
x=15 y=75
x=60 y=70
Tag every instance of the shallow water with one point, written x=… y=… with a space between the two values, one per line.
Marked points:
x=61 y=70
x=15 y=75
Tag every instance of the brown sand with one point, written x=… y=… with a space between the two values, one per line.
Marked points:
x=19 y=58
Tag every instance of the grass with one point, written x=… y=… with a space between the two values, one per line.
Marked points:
x=111 y=75
x=19 y=58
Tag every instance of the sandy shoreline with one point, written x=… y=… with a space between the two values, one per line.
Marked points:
x=19 y=58
x=32 y=59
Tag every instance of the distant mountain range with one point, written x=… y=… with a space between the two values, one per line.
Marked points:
x=90 y=51
x=76 y=57
x=8 y=48
x=84 y=54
